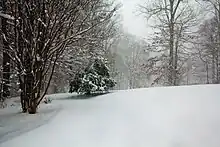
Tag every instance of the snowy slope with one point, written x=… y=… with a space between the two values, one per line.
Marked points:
x=155 y=117
x=14 y=123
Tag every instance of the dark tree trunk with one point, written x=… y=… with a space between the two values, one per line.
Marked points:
x=218 y=47
x=6 y=58
x=23 y=97
x=207 y=72
x=30 y=89
x=171 y=46
x=6 y=75
x=32 y=106
x=32 y=100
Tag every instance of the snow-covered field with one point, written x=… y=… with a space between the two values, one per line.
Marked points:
x=14 y=123
x=154 y=117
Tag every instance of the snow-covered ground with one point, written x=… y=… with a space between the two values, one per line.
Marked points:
x=154 y=117
x=14 y=123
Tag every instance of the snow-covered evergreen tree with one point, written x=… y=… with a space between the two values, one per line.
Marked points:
x=95 y=78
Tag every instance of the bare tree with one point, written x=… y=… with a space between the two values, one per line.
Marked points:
x=207 y=49
x=174 y=19
x=211 y=31
x=130 y=58
x=42 y=31
x=97 y=42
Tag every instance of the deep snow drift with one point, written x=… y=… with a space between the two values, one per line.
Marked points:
x=155 y=117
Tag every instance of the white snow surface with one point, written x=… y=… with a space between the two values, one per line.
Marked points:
x=14 y=123
x=154 y=117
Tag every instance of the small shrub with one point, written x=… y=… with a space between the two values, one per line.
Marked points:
x=47 y=100
x=95 y=78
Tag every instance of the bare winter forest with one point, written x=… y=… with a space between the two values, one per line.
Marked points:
x=48 y=46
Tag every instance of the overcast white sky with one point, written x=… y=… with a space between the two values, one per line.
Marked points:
x=132 y=21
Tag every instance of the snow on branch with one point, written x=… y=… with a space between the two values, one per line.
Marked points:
x=6 y=16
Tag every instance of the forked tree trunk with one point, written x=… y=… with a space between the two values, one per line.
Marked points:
x=28 y=98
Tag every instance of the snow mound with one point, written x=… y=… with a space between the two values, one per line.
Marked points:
x=154 y=117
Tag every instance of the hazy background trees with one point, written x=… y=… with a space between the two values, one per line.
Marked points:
x=130 y=59
x=182 y=48
x=207 y=65
x=174 y=21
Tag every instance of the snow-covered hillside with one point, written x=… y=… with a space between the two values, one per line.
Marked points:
x=155 y=117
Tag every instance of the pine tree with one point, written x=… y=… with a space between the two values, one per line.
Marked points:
x=95 y=78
